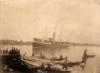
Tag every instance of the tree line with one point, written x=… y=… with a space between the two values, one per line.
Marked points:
x=14 y=42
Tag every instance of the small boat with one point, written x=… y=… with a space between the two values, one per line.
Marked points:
x=13 y=60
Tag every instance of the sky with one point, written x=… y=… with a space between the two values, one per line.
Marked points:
x=75 y=20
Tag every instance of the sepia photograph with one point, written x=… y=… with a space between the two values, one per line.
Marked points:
x=49 y=36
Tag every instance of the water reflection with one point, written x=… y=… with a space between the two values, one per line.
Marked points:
x=73 y=54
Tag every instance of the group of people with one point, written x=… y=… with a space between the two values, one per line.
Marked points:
x=4 y=51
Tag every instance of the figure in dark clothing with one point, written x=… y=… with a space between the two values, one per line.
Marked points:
x=43 y=67
x=65 y=66
x=48 y=67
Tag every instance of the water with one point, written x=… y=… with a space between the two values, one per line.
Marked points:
x=74 y=53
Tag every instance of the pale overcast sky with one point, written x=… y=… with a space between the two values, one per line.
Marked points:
x=77 y=20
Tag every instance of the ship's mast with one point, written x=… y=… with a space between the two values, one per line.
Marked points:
x=54 y=33
x=45 y=32
x=59 y=21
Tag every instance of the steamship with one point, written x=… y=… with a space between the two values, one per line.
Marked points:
x=48 y=46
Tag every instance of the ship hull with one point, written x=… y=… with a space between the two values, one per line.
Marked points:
x=50 y=50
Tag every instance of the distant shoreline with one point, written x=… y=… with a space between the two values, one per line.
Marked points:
x=20 y=43
x=14 y=42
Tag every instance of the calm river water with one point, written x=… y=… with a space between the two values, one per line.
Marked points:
x=74 y=53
